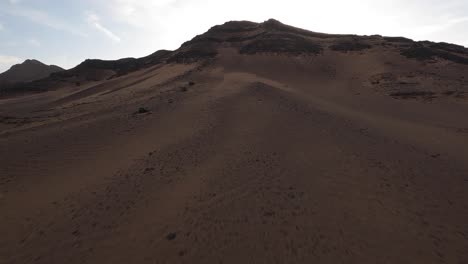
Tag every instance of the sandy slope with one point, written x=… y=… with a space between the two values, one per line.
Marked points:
x=266 y=159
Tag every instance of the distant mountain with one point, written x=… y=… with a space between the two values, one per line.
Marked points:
x=88 y=71
x=94 y=69
x=29 y=70
x=245 y=39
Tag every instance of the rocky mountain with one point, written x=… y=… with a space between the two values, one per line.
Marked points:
x=29 y=70
x=247 y=38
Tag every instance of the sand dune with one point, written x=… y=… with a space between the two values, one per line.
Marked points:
x=320 y=149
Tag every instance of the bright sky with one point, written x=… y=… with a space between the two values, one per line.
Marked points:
x=67 y=32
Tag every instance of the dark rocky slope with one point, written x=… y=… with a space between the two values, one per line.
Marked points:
x=249 y=38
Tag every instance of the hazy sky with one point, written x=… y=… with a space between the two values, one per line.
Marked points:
x=66 y=32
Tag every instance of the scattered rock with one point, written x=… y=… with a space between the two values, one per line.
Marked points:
x=422 y=51
x=191 y=83
x=354 y=45
x=281 y=42
x=193 y=52
x=149 y=170
x=269 y=213
x=171 y=236
x=413 y=94
x=142 y=110
x=398 y=39
x=183 y=89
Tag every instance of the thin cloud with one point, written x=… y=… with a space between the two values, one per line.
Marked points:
x=2 y=27
x=94 y=20
x=442 y=26
x=7 y=61
x=465 y=44
x=9 y=44
x=43 y=18
x=141 y=13
x=34 y=42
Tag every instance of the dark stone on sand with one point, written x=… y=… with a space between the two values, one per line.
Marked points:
x=171 y=236
x=142 y=110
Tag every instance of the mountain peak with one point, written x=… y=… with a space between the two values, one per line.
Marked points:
x=273 y=21
x=27 y=71
x=32 y=61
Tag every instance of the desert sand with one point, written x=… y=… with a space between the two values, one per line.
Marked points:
x=248 y=155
